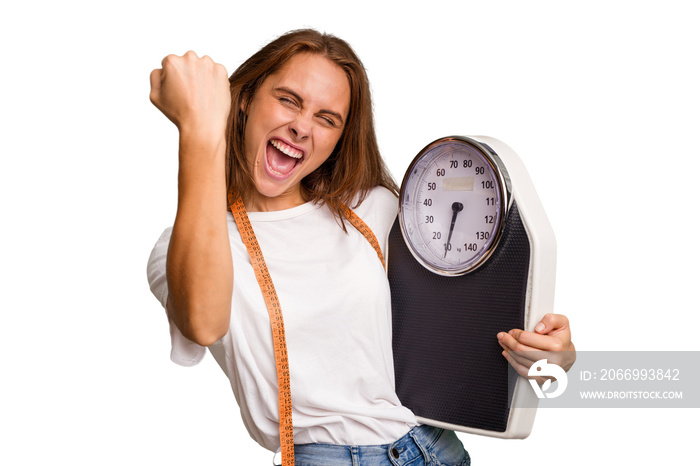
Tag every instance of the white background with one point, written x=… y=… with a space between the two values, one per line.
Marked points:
x=599 y=99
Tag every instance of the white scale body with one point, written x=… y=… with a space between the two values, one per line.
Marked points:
x=471 y=254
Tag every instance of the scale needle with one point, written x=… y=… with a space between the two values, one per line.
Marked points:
x=456 y=208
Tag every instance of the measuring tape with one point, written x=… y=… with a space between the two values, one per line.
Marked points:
x=362 y=227
x=262 y=275
x=279 y=342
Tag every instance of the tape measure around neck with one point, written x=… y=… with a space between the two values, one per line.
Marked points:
x=262 y=275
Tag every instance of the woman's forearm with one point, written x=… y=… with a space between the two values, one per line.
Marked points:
x=199 y=266
x=194 y=94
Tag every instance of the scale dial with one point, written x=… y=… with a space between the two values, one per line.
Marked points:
x=453 y=204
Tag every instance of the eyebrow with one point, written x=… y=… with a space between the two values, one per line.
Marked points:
x=301 y=101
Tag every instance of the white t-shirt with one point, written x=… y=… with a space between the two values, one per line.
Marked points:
x=335 y=299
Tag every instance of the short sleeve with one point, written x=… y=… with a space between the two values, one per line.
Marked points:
x=183 y=352
x=379 y=212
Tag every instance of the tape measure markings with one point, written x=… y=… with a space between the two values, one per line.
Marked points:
x=262 y=275
x=366 y=231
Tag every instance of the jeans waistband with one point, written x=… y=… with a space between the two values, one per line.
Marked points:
x=401 y=452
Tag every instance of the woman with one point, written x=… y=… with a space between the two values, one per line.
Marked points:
x=292 y=135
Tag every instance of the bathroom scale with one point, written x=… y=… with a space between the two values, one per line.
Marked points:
x=470 y=254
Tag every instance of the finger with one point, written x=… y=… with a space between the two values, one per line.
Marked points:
x=551 y=322
x=517 y=350
x=523 y=370
x=527 y=354
x=520 y=340
x=221 y=69
x=507 y=341
x=530 y=341
x=564 y=359
x=168 y=60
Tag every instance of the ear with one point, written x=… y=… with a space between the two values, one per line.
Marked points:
x=243 y=111
x=245 y=102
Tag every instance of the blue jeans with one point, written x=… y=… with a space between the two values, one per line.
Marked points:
x=422 y=446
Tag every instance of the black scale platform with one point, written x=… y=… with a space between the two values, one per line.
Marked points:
x=448 y=362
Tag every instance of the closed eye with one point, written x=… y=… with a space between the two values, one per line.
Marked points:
x=288 y=101
x=329 y=121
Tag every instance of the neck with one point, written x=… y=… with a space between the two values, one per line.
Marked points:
x=261 y=203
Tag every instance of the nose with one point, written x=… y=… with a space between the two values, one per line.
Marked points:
x=300 y=127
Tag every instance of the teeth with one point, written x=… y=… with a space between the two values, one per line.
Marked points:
x=287 y=150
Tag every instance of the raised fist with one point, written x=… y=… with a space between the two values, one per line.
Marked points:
x=192 y=92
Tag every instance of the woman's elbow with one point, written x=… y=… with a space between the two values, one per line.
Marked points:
x=204 y=327
x=206 y=338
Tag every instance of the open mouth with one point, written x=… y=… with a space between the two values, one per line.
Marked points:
x=282 y=158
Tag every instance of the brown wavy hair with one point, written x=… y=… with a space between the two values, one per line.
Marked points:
x=354 y=167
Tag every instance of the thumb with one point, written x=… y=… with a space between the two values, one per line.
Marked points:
x=156 y=76
x=551 y=323
x=541 y=327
